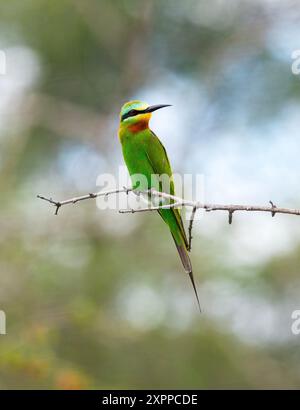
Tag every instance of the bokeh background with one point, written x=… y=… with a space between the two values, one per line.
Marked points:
x=95 y=299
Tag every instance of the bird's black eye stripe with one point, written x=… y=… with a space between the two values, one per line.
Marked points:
x=132 y=113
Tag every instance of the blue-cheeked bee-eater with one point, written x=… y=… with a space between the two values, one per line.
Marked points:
x=144 y=154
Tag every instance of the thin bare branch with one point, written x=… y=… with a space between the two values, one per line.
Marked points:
x=176 y=202
x=74 y=200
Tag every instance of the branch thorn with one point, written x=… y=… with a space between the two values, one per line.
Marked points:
x=273 y=207
x=58 y=205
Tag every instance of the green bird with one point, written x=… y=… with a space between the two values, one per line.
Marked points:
x=145 y=155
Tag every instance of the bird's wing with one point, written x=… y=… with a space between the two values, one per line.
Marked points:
x=159 y=161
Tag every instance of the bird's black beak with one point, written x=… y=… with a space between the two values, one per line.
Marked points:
x=156 y=107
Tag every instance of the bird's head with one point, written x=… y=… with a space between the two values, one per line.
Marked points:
x=136 y=114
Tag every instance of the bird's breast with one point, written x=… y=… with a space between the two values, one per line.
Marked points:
x=138 y=126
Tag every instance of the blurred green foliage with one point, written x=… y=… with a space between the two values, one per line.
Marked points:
x=95 y=299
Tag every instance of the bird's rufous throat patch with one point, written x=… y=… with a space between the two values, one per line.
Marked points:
x=140 y=125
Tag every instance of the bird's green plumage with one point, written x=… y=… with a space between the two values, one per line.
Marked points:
x=144 y=154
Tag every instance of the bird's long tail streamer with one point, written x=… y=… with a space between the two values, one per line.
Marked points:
x=185 y=259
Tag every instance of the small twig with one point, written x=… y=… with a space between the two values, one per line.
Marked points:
x=191 y=227
x=59 y=204
x=50 y=200
x=150 y=208
x=230 y=215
